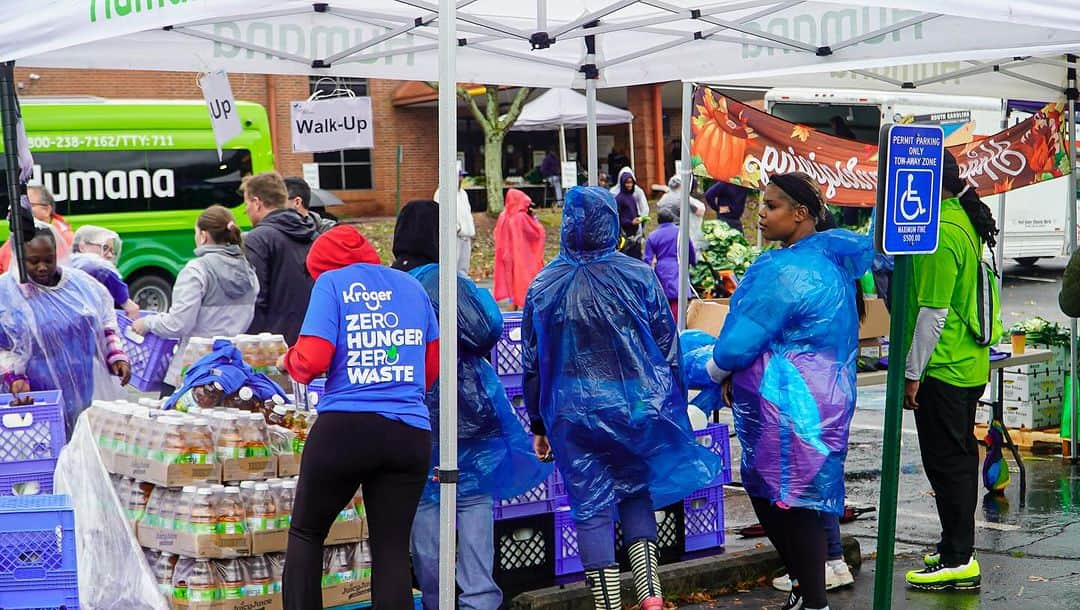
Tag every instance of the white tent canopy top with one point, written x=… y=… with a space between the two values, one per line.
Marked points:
x=557 y=108
x=540 y=43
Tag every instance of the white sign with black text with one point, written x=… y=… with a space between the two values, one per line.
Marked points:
x=338 y=123
x=224 y=116
x=569 y=174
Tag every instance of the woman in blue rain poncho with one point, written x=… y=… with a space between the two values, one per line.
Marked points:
x=58 y=331
x=605 y=395
x=495 y=457
x=788 y=350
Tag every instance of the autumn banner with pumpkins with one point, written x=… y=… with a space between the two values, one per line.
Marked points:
x=736 y=143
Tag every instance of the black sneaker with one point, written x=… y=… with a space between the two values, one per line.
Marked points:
x=794 y=600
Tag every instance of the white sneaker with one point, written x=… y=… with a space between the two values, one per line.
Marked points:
x=837 y=575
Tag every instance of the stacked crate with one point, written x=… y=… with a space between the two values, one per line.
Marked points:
x=37 y=553
x=31 y=437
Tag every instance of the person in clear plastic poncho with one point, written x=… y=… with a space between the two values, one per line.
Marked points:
x=58 y=331
x=605 y=395
x=787 y=355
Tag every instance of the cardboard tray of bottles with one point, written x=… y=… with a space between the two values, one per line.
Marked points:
x=179 y=475
x=338 y=594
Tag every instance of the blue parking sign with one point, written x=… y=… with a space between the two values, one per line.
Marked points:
x=909 y=188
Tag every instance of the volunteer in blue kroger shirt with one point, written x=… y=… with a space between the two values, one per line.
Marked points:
x=372 y=329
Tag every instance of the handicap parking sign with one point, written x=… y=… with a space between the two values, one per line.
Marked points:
x=909 y=188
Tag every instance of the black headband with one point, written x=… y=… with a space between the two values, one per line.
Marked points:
x=800 y=191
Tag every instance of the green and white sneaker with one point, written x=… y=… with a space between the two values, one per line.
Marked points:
x=941 y=578
x=931 y=559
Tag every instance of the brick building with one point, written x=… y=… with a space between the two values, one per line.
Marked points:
x=371 y=183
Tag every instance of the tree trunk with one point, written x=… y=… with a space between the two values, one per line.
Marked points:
x=493 y=152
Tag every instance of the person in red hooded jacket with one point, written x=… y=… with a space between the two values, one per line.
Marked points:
x=374 y=333
x=519 y=248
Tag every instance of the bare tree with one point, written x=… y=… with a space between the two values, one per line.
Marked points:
x=495 y=125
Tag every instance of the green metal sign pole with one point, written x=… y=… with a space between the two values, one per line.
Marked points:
x=890 y=445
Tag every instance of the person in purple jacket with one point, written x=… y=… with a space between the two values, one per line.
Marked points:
x=551 y=171
x=95 y=250
x=662 y=254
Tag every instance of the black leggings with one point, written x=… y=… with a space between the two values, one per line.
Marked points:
x=799 y=536
x=346 y=451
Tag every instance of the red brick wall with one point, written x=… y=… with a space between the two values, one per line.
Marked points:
x=640 y=101
x=414 y=128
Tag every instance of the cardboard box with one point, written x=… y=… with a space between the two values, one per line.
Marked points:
x=983 y=414
x=1043 y=413
x=876 y=323
x=345 y=532
x=250 y=469
x=288 y=464
x=168 y=475
x=870 y=348
x=353 y=592
x=265 y=602
x=272 y=541
x=708 y=316
x=200 y=546
x=1026 y=387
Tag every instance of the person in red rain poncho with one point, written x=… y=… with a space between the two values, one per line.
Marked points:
x=519 y=248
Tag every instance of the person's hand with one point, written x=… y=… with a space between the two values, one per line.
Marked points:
x=139 y=326
x=121 y=369
x=280 y=364
x=542 y=448
x=727 y=392
x=911 y=391
x=19 y=387
x=637 y=221
x=131 y=308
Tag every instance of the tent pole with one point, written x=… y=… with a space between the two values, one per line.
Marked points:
x=686 y=174
x=590 y=130
x=630 y=132
x=448 y=468
x=999 y=251
x=562 y=144
x=9 y=119
x=1075 y=390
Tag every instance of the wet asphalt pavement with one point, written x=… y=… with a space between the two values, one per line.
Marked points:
x=1028 y=551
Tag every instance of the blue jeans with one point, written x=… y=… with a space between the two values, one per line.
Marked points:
x=596 y=535
x=832 y=535
x=475 y=557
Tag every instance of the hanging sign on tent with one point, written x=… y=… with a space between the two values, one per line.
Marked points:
x=224 y=116
x=739 y=144
x=569 y=174
x=338 y=123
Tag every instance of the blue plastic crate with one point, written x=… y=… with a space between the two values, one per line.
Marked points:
x=703 y=512
x=567 y=555
x=715 y=438
x=27 y=478
x=32 y=432
x=37 y=549
x=539 y=500
x=506 y=357
x=60 y=593
x=150 y=355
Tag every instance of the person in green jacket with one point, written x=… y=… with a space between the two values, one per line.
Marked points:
x=946 y=373
x=1069 y=297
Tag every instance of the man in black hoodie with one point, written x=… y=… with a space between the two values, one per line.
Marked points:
x=277 y=247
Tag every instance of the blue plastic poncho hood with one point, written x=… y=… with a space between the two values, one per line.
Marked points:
x=495 y=455
x=791 y=339
x=600 y=343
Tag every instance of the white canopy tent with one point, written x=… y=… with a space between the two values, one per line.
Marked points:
x=562 y=108
x=564 y=43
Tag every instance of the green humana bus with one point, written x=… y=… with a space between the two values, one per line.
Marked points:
x=145 y=169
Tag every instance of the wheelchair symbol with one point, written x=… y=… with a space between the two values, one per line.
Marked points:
x=911 y=197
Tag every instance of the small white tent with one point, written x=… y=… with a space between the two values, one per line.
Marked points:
x=562 y=108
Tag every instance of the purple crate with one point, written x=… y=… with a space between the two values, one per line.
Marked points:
x=715 y=438
x=539 y=500
x=27 y=478
x=567 y=555
x=704 y=517
x=37 y=552
x=506 y=357
x=149 y=356
x=32 y=433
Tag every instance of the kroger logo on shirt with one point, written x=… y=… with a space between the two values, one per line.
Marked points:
x=358 y=293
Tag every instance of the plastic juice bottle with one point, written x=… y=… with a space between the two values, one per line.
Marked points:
x=204 y=584
x=349 y=512
x=243 y=399
x=339 y=566
x=140 y=429
x=206 y=396
x=170 y=446
x=259 y=576
x=184 y=507
x=203 y=512
x=286 y=497
x=247 y=490
x=300 y=428
x=277 y=568
x=181 y=575
x=164 y=566
x=256 y=438
x=279 y=416
x=229 y=444
x=231 y=516
x=263 y=515
x=155 y=505
x=200 y=445
x=232 y=578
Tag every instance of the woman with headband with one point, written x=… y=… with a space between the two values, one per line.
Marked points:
x=786 y=357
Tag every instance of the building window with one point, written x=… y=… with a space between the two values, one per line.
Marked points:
x=343 y=170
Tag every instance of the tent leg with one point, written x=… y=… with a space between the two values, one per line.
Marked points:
x=685 y=173
x=562 y=144
x=630 y=133
x=1072 y=249
x=590 y=113
x=9 y=118
x=448 y=299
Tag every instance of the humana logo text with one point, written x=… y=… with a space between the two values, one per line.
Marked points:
x=107 y=9
x=116 y=184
